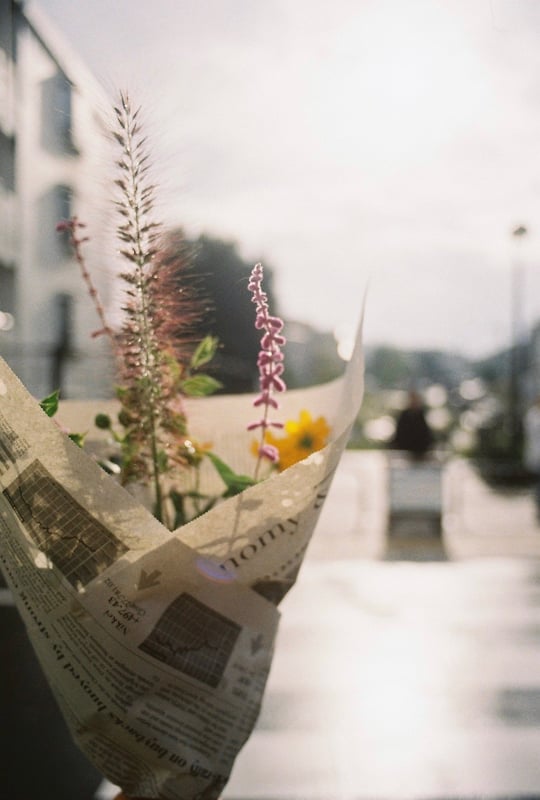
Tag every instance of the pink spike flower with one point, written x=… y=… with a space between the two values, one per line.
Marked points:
x=269 y=362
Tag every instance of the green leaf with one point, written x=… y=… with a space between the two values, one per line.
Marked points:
x=177 y=499
x=200 y=385
x=235 y=483
x=78 y=438
x=205 y=352
x=49 y=404
x=102 y=421
x=124 y=418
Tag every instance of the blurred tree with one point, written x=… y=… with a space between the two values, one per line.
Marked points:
x=393 y=368
x=389 y=366
x=311 y=356
x=220 y=276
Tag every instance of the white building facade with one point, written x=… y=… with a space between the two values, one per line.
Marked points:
x=54 y=163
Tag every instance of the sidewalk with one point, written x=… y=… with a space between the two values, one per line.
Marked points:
x=481 y=521
x=477 y=521
x=402 y=680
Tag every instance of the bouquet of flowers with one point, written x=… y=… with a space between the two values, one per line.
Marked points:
x=155 y=622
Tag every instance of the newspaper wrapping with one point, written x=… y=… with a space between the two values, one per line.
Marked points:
x=157 y=645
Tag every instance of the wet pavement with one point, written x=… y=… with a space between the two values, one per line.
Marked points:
x=398 y=680
x=408 y=660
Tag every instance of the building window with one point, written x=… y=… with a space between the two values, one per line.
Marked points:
x=7 y=162
x=56 y=115
x=62 y=350
x=7 y=299
x=8 y=23
x=62 y=205
x=63 y=201
x=55 y=205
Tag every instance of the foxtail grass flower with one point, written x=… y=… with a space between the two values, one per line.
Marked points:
x=156 y=347
x=158 y=352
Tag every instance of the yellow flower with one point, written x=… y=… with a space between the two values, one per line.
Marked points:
x=303 y=436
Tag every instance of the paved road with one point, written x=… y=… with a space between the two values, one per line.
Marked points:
x=407 y=665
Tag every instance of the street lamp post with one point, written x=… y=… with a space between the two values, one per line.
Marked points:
x=514 y=393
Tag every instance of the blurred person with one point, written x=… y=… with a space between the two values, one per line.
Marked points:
x=413 y=433
x=531 y=450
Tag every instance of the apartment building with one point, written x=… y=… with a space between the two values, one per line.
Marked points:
x=54 y=163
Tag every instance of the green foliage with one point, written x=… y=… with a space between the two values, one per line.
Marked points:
x=390 y=365
x=200 y=385
x=102 y=421
x=49 y=404
x=78 y=438
x=190 y=504
x=204 y=352
x=235 y=483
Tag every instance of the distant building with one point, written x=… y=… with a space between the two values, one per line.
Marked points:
x=54 y=154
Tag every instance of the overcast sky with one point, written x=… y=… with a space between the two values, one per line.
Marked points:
x=395 y=141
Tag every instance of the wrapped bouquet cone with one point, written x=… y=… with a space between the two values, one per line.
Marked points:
x=156 y=643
